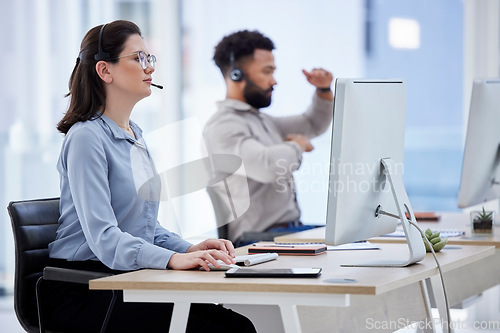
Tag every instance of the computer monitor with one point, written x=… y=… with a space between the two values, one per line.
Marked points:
x=480 y=179
x=366 y=196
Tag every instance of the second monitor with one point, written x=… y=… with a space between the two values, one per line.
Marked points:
x=480 y=181
x=366 y=196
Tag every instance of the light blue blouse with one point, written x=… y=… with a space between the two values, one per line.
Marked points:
x=109 y=200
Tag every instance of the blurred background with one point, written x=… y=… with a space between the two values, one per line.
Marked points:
x=436 y=46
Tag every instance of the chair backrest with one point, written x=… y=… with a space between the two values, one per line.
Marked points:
x=34 y=224
x=220 y=212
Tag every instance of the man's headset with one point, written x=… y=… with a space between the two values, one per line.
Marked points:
x=235 y=74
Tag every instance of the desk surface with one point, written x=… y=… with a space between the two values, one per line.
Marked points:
x=370 y=280
x=449 y=221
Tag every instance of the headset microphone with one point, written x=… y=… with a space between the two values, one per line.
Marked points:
x=157 y=86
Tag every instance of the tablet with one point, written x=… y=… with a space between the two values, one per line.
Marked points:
x=274 y=272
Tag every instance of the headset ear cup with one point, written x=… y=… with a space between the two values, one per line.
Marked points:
x=236 y=74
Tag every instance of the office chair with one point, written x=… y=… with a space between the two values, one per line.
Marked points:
x=34 y=224
x=222 y=213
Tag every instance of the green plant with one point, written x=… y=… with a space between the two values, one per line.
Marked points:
x=482 y=223
x=437 y=242
x=484 y=216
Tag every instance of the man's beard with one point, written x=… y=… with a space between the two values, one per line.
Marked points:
x=256 y=96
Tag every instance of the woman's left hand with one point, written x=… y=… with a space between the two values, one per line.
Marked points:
x=223 y=245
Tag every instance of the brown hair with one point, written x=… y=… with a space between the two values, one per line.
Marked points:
x=86 y=89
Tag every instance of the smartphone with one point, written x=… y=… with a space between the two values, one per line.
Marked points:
x=274 y=272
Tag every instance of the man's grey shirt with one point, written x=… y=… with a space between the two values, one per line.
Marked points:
x=261 y=193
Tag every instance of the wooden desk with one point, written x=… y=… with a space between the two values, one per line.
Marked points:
x=453 y=221
x=373 y=287
x=464 y=282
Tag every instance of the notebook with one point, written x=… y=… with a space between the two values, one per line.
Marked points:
x=288 y=249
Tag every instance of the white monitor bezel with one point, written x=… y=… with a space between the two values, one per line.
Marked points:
x=368 y=130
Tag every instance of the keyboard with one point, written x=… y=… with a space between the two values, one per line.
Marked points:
x=443 y=233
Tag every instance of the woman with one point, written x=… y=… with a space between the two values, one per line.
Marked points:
x=106 y=224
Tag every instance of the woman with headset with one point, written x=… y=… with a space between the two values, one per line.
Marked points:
x=108 y=222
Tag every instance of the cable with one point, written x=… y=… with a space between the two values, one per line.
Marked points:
x=448 y=323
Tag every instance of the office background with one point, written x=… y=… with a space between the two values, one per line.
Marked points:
x=436 y=46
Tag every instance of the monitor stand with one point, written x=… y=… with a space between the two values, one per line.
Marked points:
x=413 y=236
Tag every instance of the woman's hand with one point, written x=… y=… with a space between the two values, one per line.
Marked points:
x=214 y=244
x=199 y=259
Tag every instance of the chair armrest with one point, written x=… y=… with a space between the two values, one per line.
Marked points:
x=71 y=275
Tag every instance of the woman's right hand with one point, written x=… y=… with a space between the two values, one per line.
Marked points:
x=198 y=259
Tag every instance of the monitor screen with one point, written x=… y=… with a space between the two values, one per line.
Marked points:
x=366 y=196
x=480 y=169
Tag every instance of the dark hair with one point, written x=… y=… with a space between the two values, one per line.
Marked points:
x=243 y=45
x=86 y=89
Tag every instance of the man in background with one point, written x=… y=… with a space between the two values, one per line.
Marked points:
x=270 y=147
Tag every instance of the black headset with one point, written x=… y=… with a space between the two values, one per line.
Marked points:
x=101 y=55
x=235 y=74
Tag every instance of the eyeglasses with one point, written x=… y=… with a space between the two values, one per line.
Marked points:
x=142 y=58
